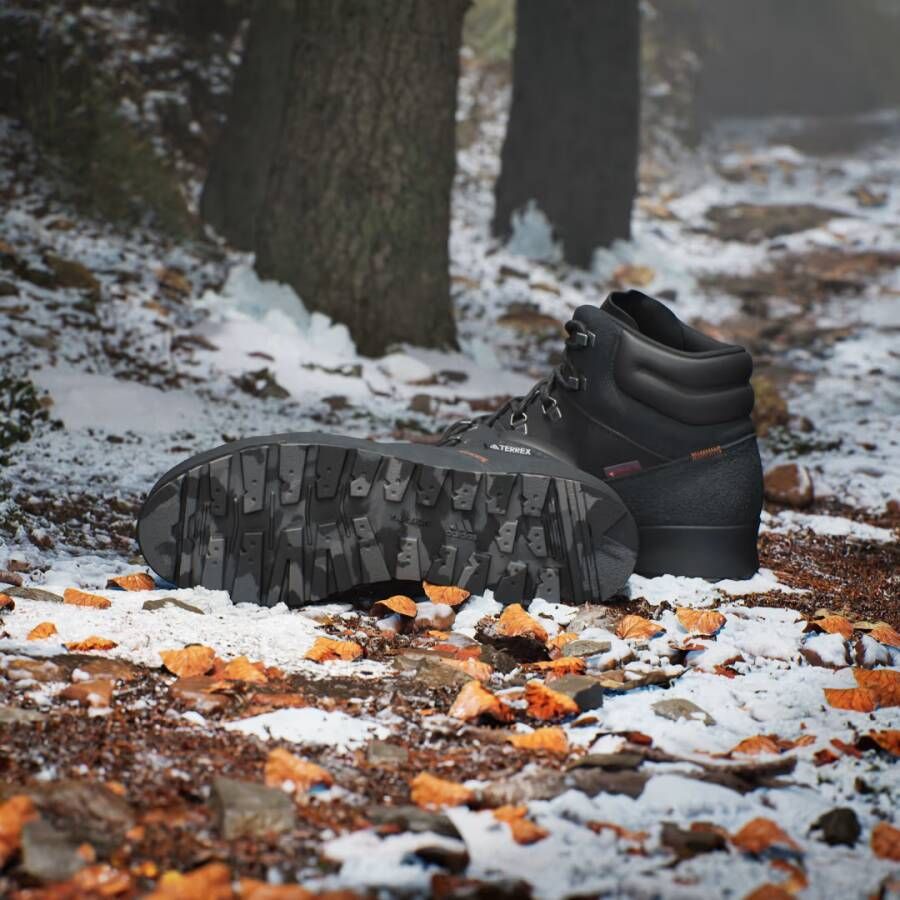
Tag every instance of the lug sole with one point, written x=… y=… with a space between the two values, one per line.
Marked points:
x=296 y=522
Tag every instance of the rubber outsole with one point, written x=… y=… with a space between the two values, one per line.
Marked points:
x=298 y=521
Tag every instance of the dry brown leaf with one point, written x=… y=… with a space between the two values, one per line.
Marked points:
x=888 y=740
x=553 y=740
x=752 y=746
x=241 y=669
x=99 y=880
x=94 y=642
x=853 y=699
x=886 y=842
x=446 y=594
x=404 y=606
x=474 y=668
x=475 y=700
x=703 y=622
x=74 y=597
x=547 y=704
x=638 y=628
x=252 y=889
x=211 y=882
x=515 y=622
x=14 y=813
x=760 y=834
x=282 y=766
x=556 y=644
x=326 y=649
x=883 y=683
x=886 y=635
x=834 y=625
x=136 y=581
x=796 y=880
x=769 y=891
x=193 y=660
x=431 y=792
x=624 y=833
x=42 y=630
x=7 y=602
x=563 y=665
x=524 y=831
x=96 y=693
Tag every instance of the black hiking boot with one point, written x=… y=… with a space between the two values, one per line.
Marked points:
x=661 y=413
x=296 y=518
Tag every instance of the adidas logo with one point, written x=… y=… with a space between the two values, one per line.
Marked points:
x=511 y=448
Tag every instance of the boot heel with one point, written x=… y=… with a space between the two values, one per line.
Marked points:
x=702 y=551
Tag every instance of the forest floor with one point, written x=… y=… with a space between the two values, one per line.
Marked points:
x=745 y=739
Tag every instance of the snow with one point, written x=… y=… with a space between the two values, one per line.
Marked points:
x=787 y=521
x=309 y=725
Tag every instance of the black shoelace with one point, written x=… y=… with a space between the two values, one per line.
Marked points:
x=565 y=375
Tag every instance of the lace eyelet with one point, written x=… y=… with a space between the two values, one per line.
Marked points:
x=551 y=410
x=519 y=420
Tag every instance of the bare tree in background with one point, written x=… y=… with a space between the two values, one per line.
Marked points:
x=337 y=160
x=572 y=139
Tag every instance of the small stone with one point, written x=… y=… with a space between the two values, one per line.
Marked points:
x=790 y=485
x=839 y=826
x=612 y=762
x=586 y=691
x=48 y=854
x=381 y=753
x=499 y=660
x=244 y=809
x=687 y=843
x=586 y=648
x=163 y=602
x=678 y=708
x=41 y=670
x=13 y=715
x=411 y=818
x=434 y=674
x=452 y=859
x=594 y=781
x=593 y=617
x=30 y=593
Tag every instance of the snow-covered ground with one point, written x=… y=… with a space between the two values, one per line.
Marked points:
x=154 y=366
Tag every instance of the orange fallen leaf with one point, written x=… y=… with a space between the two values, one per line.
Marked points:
x=282 y=766
x=94 y=642
x=883 y=683
x=193 y=660
x=475 y=700
x=624 y=833
x=752 y=746
x=252 y=889
x=545 y=703
x=760 y=834
x=553 y=740
x=42 y=630
x=7 y=602
x=74 y=597
x=481 y=671
x=404 y=606
x=14 y=813
x=703 y=622
x=886 y=635
x=211 y=882
x=96 y=693
x=524 y=831
x=515 y=622
x=431 y=792
x=796 y=880
x=825 y=757
x=446 y=594
x=563 y=665
x=886 y=842
x=99 y=880
x=853 y=699
x=834 y=625
x=888 y=740
x=325 y=649
x=769 y=892
x=263 y=702
x=136 y=581
x=556 y=644
x=241 y=669
x=638 y=628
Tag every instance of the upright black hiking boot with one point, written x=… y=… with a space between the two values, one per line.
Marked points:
x=296 y=518
x=661 y=413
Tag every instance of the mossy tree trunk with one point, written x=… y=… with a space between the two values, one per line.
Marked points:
x=572 y=138
x=349 y=199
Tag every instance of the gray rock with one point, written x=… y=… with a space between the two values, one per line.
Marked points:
x=839 y=826
x=586 y=648
x=12 y=715
x=613 y=762
x=31 y=593
x=600 y=781
x=593 y=617
x=678 y=708
x=91 y=811
x=586 y=691
x=244 y=809
x=432 y=673
x=48 y=854
x=411 y=818
x=381 y=753
x=532 y=783
x=163 y=602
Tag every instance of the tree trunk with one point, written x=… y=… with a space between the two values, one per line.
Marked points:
x=572 y=138
x=355 y=214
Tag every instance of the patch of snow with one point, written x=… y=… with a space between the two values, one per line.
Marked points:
x=308 y=725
